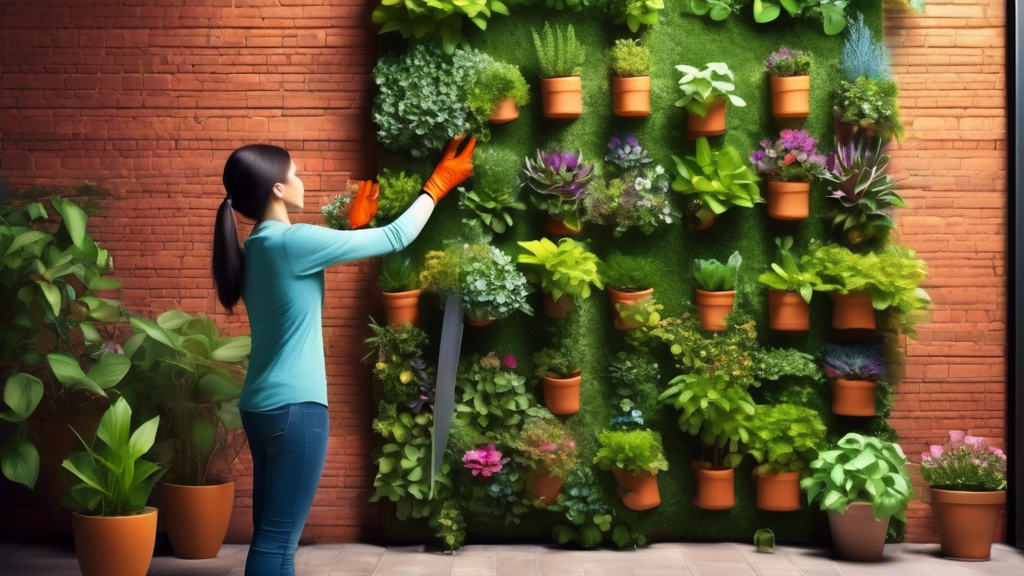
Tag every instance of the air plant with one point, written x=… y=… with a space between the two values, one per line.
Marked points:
x=854 y=362
x=859 y=180
x=484 y=461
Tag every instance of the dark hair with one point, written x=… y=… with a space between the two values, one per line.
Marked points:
x=249 y=176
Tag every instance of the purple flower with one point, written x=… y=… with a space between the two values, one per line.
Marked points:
x=485 y=461
x=560 y=174
x=559 y=161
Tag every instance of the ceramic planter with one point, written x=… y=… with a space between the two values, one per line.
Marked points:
x=857 y=535
x=557 y=308
x=196 y=517
x=623 y=297
x=788 y=312
x=562 y=97
x=845 y=131
x=562 y=395
x=115 y=545
x=712 y=307
x=789 y=201
x=791 y=96
x=631 y=97
x=852 y=311
x=402 y=307
x=638 y=491
x=546 y=486
x=715 y=488
x=505 y=110
x=558 y=227
x=853 y=397
x=712 y=124
x=484 y=322
x=778 y=492
x=966 y=521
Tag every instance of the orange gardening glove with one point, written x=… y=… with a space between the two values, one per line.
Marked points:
x=364 y=206
x=452 y=170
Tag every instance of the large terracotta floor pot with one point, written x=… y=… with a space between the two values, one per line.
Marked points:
x=546 y=486
x=402 y=307
x=789 y=201
x=715 y=488
x=562 y=395
x=852 y=311
x=853 y=397
x=505 y=110
x=791 y=96
x=562 y=97
x=115 y=545
x=857 y=535
x=788 y=312
x=778 y=492
x=630 y=298
x=638 y=492
x=967 y=521
x=196 y=517
x=713 y=307
x=631 y=97
x=557 y=308
x=712 y=124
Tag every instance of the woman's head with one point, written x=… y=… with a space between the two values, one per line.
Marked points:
x=259 y=179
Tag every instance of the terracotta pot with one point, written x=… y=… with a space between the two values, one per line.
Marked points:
x=845 y=131
x=505 y=110
x=115 y=545
x=789 y=201
x=788 y=312
x=715 y=488
x=713 y=308
x=631 y=97
x=196 y=517
x=562 y=97
x=778 y=492
x=559 y=228
x=402 y=307
x=967 y=521
x=853 y=397
x=546 y=486
x=852 y=311
x=712 y=124
x=791 y=96
x=638 y=492
x=562 y=395
x=486 y=322
x=857 y=535
x=621 y=297
x=702 y=225
x=559 y=308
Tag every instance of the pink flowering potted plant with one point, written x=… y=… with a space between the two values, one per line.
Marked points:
x=550 y=448
x=789 y=164
x=484 y=462
x=967 y=488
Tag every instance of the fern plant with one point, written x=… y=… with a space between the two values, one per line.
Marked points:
x=558 y=52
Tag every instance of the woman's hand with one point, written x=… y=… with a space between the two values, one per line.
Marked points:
x=452 y=170
x=364 y=206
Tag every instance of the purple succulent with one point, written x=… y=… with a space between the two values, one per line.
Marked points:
x=484 y=462
x=559 y=174
x=424 y=386
x=854 y=362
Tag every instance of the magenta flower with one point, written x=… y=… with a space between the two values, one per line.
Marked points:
x=484 y=462
x=509 y=361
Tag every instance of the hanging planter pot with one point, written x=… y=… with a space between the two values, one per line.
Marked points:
x=402 y=307
x=562 y=395
x=558 y=227
x=196 y=517
x=715 y=488
x=788 y=311
x=631 y=96
x=853 y=397
x=967 y=521
x=712 y=124
x=857 y=535
x=506 y=110
x=546 y=486
x=713 y=307
x=778 y=492
x=562 y=97
x=629 y=298
x=852 y=311
x=789 y=201
x=791 y=96
x=484 y=322
x=115 y=545
x=557 y=308
x=638 y=491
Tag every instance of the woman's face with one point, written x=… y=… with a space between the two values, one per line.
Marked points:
x=291 y=192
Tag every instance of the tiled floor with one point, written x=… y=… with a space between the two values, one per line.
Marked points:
x=663 y=559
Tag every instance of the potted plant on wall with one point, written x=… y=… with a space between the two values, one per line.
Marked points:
x=716 y=290
x=783 y=439
x=549 y=446
x=635 y=457
x=855 y=370
x=637 y=197
x=967 y=489
x=789 y=164
x=791 y=283
x=561 y=180
x=865 y=193
x=862 y=483
x=499 y=91
x=399 y=285
x=560 y=373
x=717 y=181
x=631 y=78
x=705 y=92
x=564 y=271
x=114 y=530
x=789 y=75
x=560 y=57
x=493 y=194
x=628 y=281
x=866 y=102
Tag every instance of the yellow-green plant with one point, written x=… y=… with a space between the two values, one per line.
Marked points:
x=567 y=268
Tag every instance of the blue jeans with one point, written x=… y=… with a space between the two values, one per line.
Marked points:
x=288 y=446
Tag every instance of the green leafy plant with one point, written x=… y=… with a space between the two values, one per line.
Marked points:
x=718 y=180
x=488 y=281
x=764 y=541
x=629 y=58
x=451 y=527
x=115 y=479
x=705 y=87
x=628 y=273
x=403 y=475
x=491 y=396
x=440 y=20
x=866 y=194
x=789 y=273
x=645 y=313
x=496 y=81
x=337 y=209
x=591 y=517
x=391 y=353
x=732 y=354
x=562 y=361
x=830 y=12
x=717 y=411
x=563 y=269
x=861 y=469
x=635 y=375
x=872 y=105
x=713 y=276
x=559 y=54
x=398 y=191
x=494 y=193
x=633 y=450
x=635 y=12
x=637 y=197
x=718 y=10
x=784 y=437
x=397 y=273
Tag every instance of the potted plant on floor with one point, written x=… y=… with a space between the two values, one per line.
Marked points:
x=560 y=57
x=967 y=489
x=550 y=448
x=114 y=530
x=499 y=91
x=862 y=483
x=867 y=100
x=855 y=370
x=628 y=281
x=717 y=181
x=635 y=457
x=716 y=290
x=631 y=78
x=791 y=283
x=564 y=271
x=789 y=73
x=866 y=195
x=561 y=180
x=637 y=197
x=560 y=373
x=399 y=285
x=789 y=164
x=783 y=439
x=705 y=92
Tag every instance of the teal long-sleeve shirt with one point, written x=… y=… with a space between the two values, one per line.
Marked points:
x=283 y=293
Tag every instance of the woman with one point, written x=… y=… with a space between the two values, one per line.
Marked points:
x=280 y=277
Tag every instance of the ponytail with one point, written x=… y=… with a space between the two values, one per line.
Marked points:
x=228 y=259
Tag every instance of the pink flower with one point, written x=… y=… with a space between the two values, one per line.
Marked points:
x=936 y=451
x=789 y=159
x=485 y=461
x=548 y=447
x=509 y=361
x=976 y=441
x=956 y=436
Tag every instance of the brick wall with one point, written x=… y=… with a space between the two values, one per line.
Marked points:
x=149 y=101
